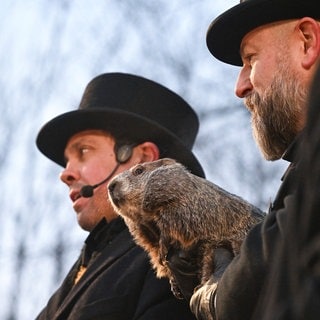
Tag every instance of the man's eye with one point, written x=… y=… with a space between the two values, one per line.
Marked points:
x=248 y=59
x=83 y=150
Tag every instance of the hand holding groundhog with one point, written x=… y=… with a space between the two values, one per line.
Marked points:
x=165 y=207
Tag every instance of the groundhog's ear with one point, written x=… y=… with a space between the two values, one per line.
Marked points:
x=166 y=161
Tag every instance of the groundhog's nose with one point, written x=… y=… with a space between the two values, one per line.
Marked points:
x=112 y=186
x=113 y=193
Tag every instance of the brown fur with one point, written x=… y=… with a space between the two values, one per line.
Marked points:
x=165 y=206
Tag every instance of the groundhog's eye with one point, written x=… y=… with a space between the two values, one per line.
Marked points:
x=138 y=170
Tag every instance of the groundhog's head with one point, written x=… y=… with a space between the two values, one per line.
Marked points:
x=143 y=188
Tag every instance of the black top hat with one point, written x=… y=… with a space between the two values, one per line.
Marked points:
x=227 y=30
x=133 y=109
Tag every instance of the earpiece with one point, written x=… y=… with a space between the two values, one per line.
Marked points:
x=123 y=153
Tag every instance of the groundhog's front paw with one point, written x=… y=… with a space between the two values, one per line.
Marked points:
x=215 y=263
x=175 y=289
x=184 y=271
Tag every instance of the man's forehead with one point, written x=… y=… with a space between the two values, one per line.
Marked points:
x=260 y=34
x=91 y=133
x=250 y=40
x=88 y=136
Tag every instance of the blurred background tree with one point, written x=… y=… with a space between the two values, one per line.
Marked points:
x=49 y=51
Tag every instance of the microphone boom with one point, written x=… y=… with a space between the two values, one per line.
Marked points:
x=87 y=190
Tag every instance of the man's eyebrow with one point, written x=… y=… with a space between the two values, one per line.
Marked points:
x=75 y=145
x=80 y=142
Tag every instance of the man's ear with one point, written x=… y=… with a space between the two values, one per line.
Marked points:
x=310 y=34
x=149 y=151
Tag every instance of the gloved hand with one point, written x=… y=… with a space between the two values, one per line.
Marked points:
x=202 y=302
x=185 y=270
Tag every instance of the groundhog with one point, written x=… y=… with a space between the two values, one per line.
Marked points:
x=166 y=206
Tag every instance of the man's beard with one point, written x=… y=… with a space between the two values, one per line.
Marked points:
x=276 y=115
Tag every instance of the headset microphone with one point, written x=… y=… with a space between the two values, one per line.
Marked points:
x=123 y=154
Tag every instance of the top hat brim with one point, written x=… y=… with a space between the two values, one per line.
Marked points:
x=54 y=135
x=226 y=32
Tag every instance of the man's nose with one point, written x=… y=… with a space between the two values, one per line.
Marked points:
x=69 y=175
x=243 y=85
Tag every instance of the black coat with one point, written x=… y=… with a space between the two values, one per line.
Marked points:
x=293 y=291
x=118 y=284
x=243 y=283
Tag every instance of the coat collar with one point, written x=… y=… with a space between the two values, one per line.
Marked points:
x=120 y=244
x=292 y=151
x=100 y=236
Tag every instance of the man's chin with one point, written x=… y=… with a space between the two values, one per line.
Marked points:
x=270 y=154
x=84 y=223
x=270 y=150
